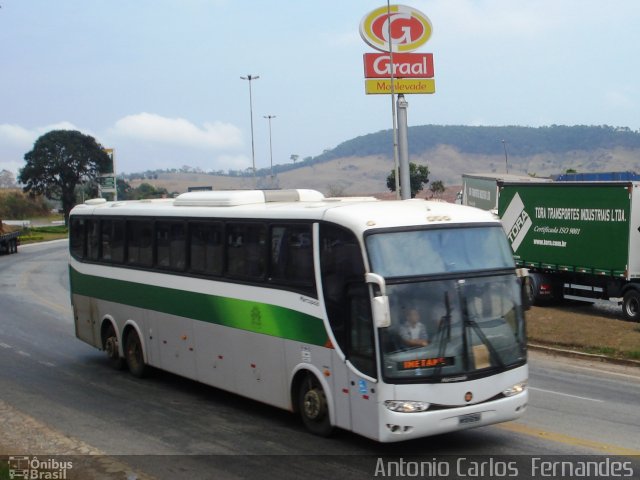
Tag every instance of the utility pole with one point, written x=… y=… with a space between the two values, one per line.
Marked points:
x=506 y=158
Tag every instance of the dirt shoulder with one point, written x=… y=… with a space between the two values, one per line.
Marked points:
x=594 y=329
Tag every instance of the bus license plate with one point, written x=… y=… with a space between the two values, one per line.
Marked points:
x=469 y=418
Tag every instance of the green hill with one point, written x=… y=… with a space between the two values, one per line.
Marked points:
x=361 y=165
x=521 y=141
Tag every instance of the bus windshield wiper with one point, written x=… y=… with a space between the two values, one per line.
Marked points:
x=483 y=338
x=444 y=332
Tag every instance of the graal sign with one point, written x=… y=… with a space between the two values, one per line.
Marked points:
x=397 y=30
x=409 y=29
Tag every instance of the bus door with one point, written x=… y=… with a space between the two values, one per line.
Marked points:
x=361 y=361
x=347 y=303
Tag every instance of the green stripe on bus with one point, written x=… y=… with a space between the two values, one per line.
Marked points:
x=242 y=314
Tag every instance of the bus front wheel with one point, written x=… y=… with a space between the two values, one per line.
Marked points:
x=134 y=355
x=313 y=408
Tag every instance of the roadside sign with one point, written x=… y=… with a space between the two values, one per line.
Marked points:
x=400 y=85
x=409 y=28
x=107 y=182
x=405 y=65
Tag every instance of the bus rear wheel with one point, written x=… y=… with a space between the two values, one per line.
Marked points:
x=111 y=348
x=133 y=354
x=313 y=407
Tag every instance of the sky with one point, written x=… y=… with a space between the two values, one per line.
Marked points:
x=159 y=80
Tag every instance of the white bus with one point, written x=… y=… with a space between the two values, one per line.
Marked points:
x=299 y=301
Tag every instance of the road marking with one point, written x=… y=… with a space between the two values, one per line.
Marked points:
x=566 y=394
x=24 y=354
x=46 y=364
x=567 y=439
x=4 y=345
x=607 y=372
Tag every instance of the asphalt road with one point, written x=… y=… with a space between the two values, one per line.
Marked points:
x=59 y=396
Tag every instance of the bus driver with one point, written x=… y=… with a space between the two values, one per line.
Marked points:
x=413 y=332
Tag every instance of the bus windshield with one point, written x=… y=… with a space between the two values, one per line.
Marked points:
x=437 y=251
x=453 y=316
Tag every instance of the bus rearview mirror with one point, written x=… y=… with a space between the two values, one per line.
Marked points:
x=380 y=303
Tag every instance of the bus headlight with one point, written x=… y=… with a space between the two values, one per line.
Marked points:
x=406 y=406
x=515 y=389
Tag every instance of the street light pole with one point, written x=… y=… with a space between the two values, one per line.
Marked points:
x=269 y=117
x=506 y=158
x=253 y=150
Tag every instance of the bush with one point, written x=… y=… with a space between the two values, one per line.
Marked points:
x=16 y=205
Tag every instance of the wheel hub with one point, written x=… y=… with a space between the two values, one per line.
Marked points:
x=111 y=347
x=314 y=403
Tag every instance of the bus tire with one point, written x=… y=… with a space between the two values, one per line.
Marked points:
x=134 y=355
x=313 y=407
x=631 y=305
x=110 y=344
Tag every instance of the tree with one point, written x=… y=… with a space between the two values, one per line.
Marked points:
x=7 y=180
x=418 y=176
x=436 y=188
x=125 y=191
x=60 y=160
x=146 y=190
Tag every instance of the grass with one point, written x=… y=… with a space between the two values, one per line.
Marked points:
x=43 y=234
x=584 y=329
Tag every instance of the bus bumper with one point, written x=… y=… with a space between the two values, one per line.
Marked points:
x=397 y=427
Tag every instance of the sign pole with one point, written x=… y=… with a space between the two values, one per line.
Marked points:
x=403 y=143
x=396 y=163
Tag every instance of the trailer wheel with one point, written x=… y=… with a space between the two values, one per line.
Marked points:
x=312 y=404
x=134 y=355
x=631 y=305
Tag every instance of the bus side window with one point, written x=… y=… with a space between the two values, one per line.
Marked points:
x=140 y=243
x=246 y=250
x=93 y=238
x=291 y=256
x=107 y=231
x=170 y=245
x=206 y=247
x=77 y=237
x=117 y=241
x=112 y=249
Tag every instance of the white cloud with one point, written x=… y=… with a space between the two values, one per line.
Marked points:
x=234 y=162
x=618 y=99
x=465 y=19
x=16 y=140
x=149 y=127
x=16 y=135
